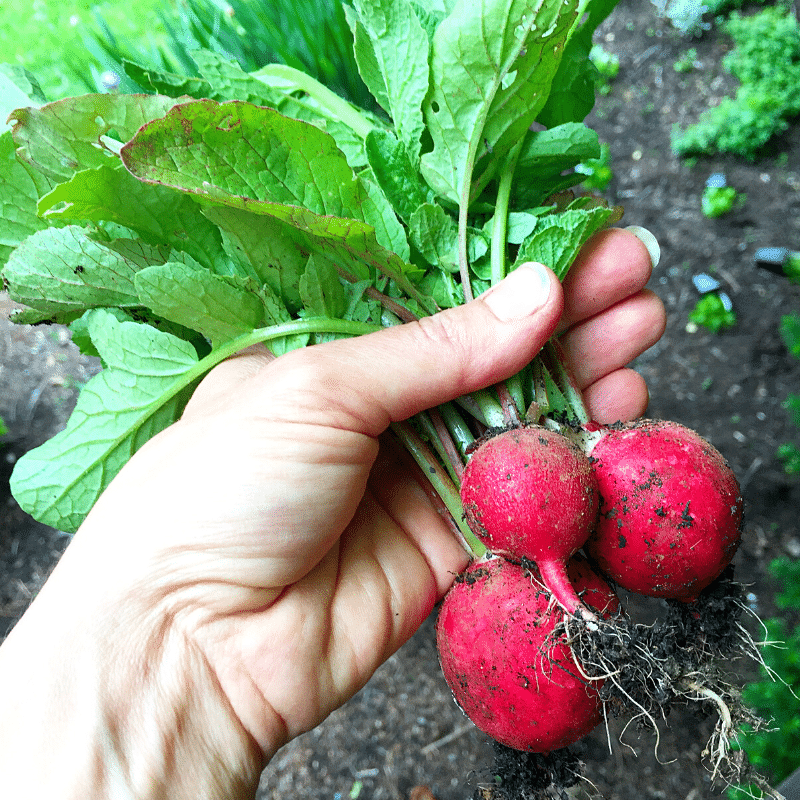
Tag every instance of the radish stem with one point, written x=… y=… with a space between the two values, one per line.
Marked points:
x=459 y=430
x=555 y=361
x=441 y=482
x=433 y=427
x=500 y=223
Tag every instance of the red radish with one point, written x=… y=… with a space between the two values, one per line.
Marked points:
x=670 y=512
x=514 y=680
x=530 y=493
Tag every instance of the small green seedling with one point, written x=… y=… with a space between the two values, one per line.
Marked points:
x=687 y=62
x=719 y=200
x=598 y=171
x=792 y=267
x=713 y=313
x=607 y=65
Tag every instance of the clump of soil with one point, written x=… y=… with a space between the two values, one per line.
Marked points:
x=517 y=775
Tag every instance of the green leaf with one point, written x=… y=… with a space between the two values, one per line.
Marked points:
x=157 y=214
x=435 y=234
x=64 y=137
x=59 y=270
x=254 y=159
x=488 y=82
x=169 y=84
x=265 y=248
x=18 y=193
x=546 y=156
x=557 y=238
x=220 y=307
x=395 y=173
x=18 y=88
x=396 y=68
x=143 y=390
x=790 y=332
x=321 y=289
x=250 y=157
x=520 y=225
x=573 y=92
x=228 y=81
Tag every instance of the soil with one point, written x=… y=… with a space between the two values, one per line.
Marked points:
x=403 y=729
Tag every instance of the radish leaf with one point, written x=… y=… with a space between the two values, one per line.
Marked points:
x=18 y=193
x=59 y=270
x=391 y=49
x=557 y=238
x=219 y=307
x=63 y=137
x=273 y=165
x=143 y=389
x=157 y=214
x=492 y=65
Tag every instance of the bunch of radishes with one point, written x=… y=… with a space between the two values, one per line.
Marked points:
x=657 y=511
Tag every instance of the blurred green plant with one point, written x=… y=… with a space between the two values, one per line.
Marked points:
x=789 y=453
x=49 y=38
x=776 y=697
x=711 y=312
x=598 y=171
x=687 y=62
x=607 y=66
x=309 y=35
x=719 y=200
x=766 y=61
x=3 y=428
x=792 y=269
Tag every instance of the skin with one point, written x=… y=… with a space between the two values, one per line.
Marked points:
x=252 y=565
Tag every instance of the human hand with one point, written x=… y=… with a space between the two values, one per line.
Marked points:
x=252 y=565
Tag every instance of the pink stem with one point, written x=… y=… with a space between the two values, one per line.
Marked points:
x=453 y=456
x=509 y=406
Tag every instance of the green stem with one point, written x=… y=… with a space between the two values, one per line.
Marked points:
x=565 y=381
x=475 y=141
x=490 y=407
x=439 y=480
x=515 y=390
x=340 y=108
x=463 y=258
x=459 y=430
x=344 y=327
x=433 y=427
x=500 y=224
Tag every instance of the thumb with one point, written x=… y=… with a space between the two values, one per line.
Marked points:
x=365 y=383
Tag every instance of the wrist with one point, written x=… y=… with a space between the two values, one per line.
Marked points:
x=98 y=701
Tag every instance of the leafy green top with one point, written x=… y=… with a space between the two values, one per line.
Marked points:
x=170 y=231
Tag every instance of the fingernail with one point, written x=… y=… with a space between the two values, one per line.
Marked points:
x=649 y=241
x=519 y=294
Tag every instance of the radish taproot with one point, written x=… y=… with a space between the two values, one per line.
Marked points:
x=670 y=510
x=530 y=492
x=508 y=673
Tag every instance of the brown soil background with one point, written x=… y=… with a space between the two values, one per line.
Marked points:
x=403 y=729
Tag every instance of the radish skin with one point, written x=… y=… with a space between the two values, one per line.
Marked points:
x=498 y=657
x=670 y=512
x=530 y=492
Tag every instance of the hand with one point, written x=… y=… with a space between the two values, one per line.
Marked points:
x=252 y=565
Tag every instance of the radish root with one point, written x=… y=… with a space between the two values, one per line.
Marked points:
x=646 y=669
